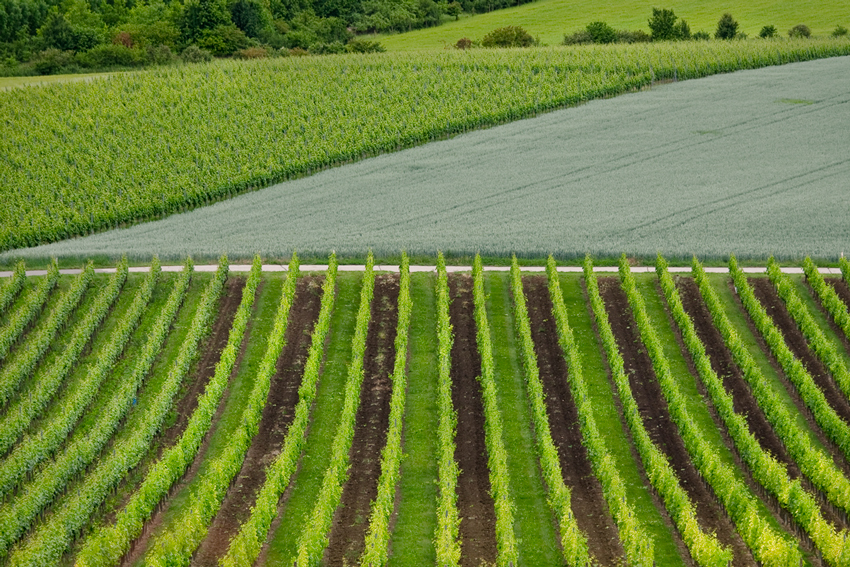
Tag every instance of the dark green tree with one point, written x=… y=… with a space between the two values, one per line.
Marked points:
x=767 y=32
x=682 y=30
x=600 y=32
x=251 y=16
x=727 y=27
x=662 y=24
x=200 y=16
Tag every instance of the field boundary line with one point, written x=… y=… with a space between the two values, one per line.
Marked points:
x=395 y=268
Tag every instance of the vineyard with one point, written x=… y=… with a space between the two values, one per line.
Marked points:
x=410 y=417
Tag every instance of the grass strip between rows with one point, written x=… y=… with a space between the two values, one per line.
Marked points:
x=41 y=443
x=35 y=301
x=506 y=544
x=768 y=547
x=814 y=398
x=703 y=546
x=24 y=409
x=10 y=290
x=636 y=540
x=825 y=350
x=314 y=538
x=176 y=546
x=827 y=295
x=246 y=546
x=36 y=346
x=448 y=519
x=573 y=541
x=376 y=551
x=54 y=537
x=766 y=470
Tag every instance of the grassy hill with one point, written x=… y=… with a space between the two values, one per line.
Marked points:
x=549 y=20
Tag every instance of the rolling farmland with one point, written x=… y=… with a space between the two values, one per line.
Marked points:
x=409 y=417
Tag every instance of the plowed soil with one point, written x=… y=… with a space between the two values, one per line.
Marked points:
x=475 y=505
x=587 y=500
x=351 y=521
x=278 y=414
x=661 y=428
x=229 y=304
x=840 y=287
x=796 y=341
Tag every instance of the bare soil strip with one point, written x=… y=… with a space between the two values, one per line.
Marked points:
x=796 y=341
x=231 y=297
x=841 y=288
x=351 y=521
x=278 y=414
x=475 y=504
x=587 y=500
x=661 y=428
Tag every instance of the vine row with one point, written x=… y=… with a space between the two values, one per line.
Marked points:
x=637 y=542
x=703 y=546
x=16 y=324
x=9 y=291
x=827 y=295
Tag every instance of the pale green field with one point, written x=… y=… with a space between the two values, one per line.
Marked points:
x=14 y=82
x=752 y=163
x=549 y=20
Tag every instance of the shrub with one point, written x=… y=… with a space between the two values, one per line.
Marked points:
x=364 y=46
x=663 y=25
x=701 y=35
x=767 y=32
x=637 y=36
x=740 y=35
x=509 y=36
x=194 y=54
x=839 y=31
x=683 y=30
x=111 y=55
x=463 y=43
x=298 y=52
x=800 y=30
x=727 y=27
x=580 y=37
x=223 y=40
x=160 y=55
x=600 y=32
x=327 y=48
x=252 y=53
x=52 y=61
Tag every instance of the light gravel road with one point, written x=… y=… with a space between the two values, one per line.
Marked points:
x=752 y=163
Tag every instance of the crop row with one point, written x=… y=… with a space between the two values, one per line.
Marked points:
x=11 y=288
x=36 y=345
x=314 y=537
x=142 y=145
x=766 y=470
x=636 y=541
x=814 y=463
x=768 y=546
x=820 y=345
x=506 y=543
x=702 y=545
x=15 y=325
x=825 y=416
x=573 y=541
x=827 y=295
x=176 y=546
x=448 y=520
x=376 y=552
x=42 y=442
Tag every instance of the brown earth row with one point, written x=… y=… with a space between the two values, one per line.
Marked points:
x=229 y=302
x=348 y=533
x=660 y=427
x=475 y=504
x=587 y=500
x=277 y=416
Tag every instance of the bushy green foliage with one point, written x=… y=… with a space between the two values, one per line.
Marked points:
x=727 y=27
x=194 y=54
x=663 y=25
x=800 y=30
x=600 y=32
x=701 y=36
x=509 y=36
x=767 y=32
x=839 y=31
